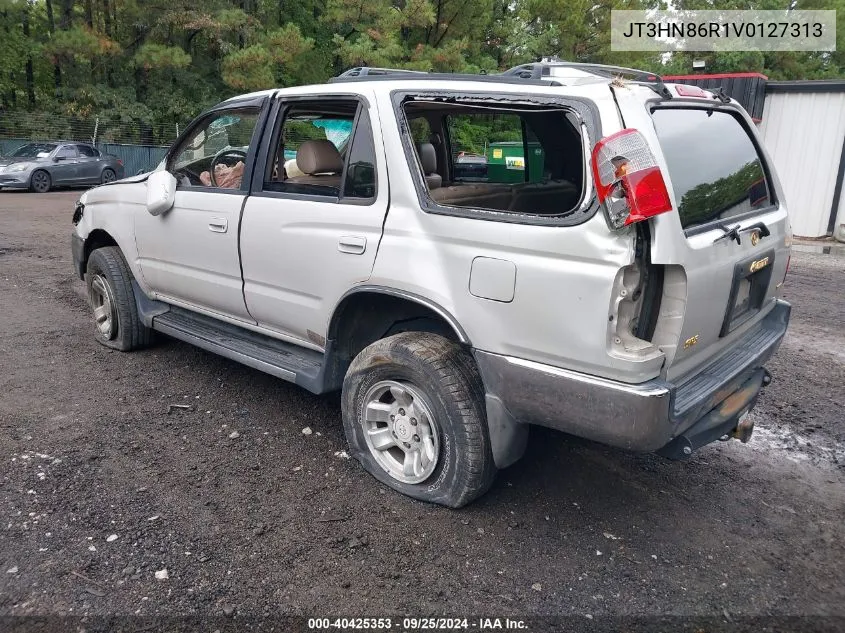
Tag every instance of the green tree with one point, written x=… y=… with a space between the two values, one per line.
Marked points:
x=147 y=64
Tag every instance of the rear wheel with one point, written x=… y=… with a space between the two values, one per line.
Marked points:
x=40 y=182
x=112 y=299
x=413 y=412
x=107 y=176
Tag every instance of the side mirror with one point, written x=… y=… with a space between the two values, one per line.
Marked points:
x=58 y=158
x=161 y=192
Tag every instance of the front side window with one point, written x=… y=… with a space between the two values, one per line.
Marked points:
x=321 y=151
x=215 y=153
x=714 y=166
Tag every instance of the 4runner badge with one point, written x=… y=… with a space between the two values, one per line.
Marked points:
x=692 y=340
x=760 y=263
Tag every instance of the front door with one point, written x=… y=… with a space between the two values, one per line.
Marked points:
x=311 y=230
x=189 y=255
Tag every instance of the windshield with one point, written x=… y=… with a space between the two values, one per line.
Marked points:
x=34 y=150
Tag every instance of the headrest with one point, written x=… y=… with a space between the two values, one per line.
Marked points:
x=428 y=157
x=319 y=157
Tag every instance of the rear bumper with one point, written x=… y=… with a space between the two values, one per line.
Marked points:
x=643 y=417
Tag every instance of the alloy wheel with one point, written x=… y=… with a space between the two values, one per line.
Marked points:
x=400 y=431
x=40 y=182
x=102 y=302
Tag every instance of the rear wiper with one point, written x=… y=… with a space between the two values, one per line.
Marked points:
x=730 y=233
x=734 y=232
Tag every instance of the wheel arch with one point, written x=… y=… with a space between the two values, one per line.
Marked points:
x=98 y=238
x=402 y=303
x=366 y=314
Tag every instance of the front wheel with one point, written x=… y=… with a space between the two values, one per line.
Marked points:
x=112 y=299
x=40 y=182
x=413 y=413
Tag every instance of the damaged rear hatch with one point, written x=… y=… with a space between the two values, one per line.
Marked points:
x=724 y=248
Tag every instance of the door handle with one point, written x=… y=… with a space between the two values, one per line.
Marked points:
x=352 y=244
x=218 y=225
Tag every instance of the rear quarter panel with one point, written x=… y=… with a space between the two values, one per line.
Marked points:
x=564 y=275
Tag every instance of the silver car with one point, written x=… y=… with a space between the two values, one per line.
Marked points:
x=620 y=283
x=41 y=166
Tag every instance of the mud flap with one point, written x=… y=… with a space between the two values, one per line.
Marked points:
x=508 y=437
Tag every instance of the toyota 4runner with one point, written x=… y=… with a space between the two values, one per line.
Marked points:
x=580 y=247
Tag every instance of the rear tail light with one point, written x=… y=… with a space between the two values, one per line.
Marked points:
x=120 y=162
x=628 y=181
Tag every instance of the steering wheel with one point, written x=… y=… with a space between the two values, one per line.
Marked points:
x=218 y=158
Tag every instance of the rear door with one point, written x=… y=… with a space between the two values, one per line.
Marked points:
x=725 y=243
x=89 y=164
x=306 y=239
x=65 y=167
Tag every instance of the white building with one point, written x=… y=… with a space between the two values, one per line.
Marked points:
x=803 y=129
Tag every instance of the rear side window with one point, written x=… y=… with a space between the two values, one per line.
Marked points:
x=361 y=161
x=87 y=151
x=507 y=157
x=487 y=147
x=420 y=130
x=714 y=166
x=68 y=151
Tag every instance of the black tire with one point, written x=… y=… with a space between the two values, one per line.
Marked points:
x=107 y=176
x=446 y=375
x=109 y=275
x=40 y=181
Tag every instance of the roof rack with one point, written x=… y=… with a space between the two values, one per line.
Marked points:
x=367 y=73
x=371 y=71
x=538 y=70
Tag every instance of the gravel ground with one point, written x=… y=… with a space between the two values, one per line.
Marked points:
x=115 y=503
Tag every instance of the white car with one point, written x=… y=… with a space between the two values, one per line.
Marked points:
x=621 y=284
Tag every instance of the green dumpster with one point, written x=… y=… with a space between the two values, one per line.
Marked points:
x=506 y=162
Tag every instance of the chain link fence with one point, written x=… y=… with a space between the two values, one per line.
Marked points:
x=141 y=146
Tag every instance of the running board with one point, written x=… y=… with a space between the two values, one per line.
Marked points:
x=272 y=356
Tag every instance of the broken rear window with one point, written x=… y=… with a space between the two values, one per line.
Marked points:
x=507 y=158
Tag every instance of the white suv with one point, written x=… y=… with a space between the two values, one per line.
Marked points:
x=580 y=247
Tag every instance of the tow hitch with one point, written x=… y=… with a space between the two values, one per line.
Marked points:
x=744 y=428
x=728 y=420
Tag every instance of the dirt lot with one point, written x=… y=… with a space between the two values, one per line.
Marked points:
x=102 y=487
